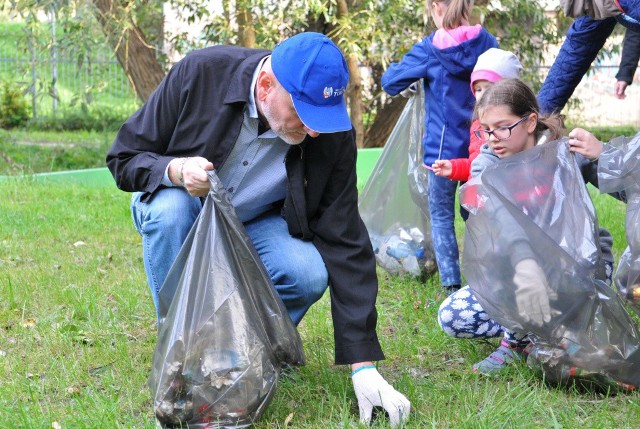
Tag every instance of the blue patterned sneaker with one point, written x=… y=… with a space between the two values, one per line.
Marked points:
x=503 y=356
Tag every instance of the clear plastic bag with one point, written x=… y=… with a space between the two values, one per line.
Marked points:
x=619 y=171
x=394 y=204
x=536 y=203
x=225 y=336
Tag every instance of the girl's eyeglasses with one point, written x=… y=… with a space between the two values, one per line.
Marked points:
x=500 y=133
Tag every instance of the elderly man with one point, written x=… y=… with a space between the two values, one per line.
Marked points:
x=275 y=128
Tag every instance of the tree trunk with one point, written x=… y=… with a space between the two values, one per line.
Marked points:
x=246 y=31
x=354 y=90
x=135 y=55
x=355 y=98
x=386 y=119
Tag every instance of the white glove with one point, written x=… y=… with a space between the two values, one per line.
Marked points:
x=532 y=292
x=373 y=391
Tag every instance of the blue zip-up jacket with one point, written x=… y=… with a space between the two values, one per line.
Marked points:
x=446 y=74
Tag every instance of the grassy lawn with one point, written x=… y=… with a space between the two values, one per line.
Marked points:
x=77 y=322
x=77 y=335
x=27 y=152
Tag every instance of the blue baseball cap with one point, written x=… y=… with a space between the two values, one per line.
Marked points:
x=314 y=72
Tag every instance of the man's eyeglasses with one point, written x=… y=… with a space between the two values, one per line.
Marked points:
x=500 y=133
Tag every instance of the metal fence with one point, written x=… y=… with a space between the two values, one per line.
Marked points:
x=598 y=106
x=66 y=82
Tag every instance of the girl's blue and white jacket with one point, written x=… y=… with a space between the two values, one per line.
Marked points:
x=446 y=75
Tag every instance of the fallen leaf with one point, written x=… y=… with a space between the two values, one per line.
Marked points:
x=289 y=418
x=73 y=390
x=388 y=330
x=29 y=323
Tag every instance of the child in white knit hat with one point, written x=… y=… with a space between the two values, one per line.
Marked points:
x=493 y=65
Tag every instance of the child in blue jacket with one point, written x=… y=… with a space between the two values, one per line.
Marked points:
x=444 y=61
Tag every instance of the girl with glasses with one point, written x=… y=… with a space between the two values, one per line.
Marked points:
x=510 y=123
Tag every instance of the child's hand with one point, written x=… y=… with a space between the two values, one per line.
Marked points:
x=442 y=167
x=584 y=143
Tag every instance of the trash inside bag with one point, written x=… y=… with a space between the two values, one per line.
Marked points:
x=225 y=336
x=619 y=171
x=401 y=252
x=534 y=205
x=394 y=204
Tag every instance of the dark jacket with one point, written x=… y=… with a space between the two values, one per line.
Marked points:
x=630 y=56
x=197 y=110
x=446 y=74
x=584 y=40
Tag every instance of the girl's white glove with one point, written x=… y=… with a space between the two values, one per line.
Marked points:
x=533 y=293
x=373 y=391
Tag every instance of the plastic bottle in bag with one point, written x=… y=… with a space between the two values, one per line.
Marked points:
x=400 y=256
x=566 y=373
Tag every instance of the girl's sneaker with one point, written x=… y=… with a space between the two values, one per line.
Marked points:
x=503 y=356
x=445 y=291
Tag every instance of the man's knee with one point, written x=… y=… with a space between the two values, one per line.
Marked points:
x=312 y=281
x=171 y=209
x=318 y=284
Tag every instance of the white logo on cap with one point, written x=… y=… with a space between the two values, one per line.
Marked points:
x=330 y=92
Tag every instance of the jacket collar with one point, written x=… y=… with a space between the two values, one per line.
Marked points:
x=240 y=82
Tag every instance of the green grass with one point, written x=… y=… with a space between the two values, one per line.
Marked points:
x=77 y=335
x=28 y=152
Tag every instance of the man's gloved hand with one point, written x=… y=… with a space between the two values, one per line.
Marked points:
x=373 y=391
x=532 y=292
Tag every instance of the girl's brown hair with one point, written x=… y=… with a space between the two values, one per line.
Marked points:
x=520 y=99
x=457 y=14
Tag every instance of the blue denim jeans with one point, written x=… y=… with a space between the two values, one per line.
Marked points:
x=295 y=266
x=442 y=201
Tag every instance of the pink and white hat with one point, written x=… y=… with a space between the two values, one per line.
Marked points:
x=495 y=64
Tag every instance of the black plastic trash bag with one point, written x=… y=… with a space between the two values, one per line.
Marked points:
x=394 y=204
x=226 y=335
x=535 y=204
x=619 y=171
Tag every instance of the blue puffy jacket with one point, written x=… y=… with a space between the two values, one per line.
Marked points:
x=446 y=74
x=585 y=38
